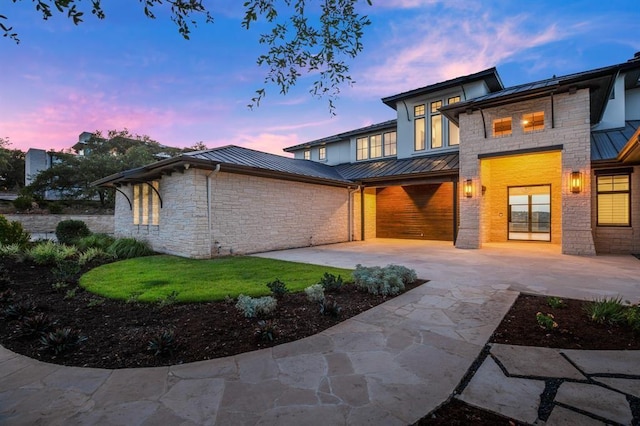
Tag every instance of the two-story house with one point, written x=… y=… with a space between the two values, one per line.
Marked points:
x=465 y=160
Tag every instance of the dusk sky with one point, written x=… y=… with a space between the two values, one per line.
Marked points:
x=132 y=72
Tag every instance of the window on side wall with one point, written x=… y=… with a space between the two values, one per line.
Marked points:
x=419 y=127
x=362 y=148
x=613 y=194
x=390 y=144
x=375 y=146
x=502 y=127
x=532 y=122
x=454 y=131
x=436 y=125
x=146 y=204
x=322 y=153
x=307 y=154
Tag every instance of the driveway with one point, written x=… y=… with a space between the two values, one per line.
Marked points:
x=525 y=267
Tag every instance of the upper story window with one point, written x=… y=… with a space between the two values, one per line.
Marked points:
x=436 y=125
x=146 y=204
x=502 y=126
x=376 y=146
x=454 y=131
x=532 y=122
x=307 y=154
x=613 y=194
x=322 y=153
x=418 y=113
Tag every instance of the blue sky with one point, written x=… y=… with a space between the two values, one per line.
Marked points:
x=131 y=72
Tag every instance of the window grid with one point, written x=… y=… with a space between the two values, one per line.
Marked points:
x=390 y=144
x=375 y=146
x=502 y=127
x=533 y=121
x=362 y=148
x=146 y=204
x=307 y=154
x=322 y=153
x=613 y=194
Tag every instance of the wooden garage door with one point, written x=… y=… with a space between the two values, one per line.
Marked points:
x=423 y=212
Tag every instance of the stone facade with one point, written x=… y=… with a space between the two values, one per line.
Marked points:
x=207 y=214
x=571 y=130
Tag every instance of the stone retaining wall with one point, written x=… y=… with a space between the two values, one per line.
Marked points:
x=46 y=223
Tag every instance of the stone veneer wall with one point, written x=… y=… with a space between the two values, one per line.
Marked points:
x=253 y=214
x=46 y=223
x=572 y=130
x=619 y=239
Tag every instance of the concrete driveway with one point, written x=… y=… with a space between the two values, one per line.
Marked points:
x=524 y=267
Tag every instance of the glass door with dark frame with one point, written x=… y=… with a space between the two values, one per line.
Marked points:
x=530 y=213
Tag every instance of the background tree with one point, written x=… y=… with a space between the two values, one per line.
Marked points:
x=304 y=37
x=11 y=167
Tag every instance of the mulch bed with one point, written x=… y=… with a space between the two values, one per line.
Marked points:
x=118 y=333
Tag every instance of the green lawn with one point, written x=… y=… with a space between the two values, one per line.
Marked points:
x=153 y=278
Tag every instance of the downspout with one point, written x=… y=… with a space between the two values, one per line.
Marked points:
x=213 y=173
x=362 y=213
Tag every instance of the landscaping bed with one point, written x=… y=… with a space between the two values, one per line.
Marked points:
x=118 y=333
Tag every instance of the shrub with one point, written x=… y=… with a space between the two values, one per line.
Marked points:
x=252 y=307
x=13 y=233
x=266 y=330
x=70 y=231
x=10 y=250
x=61 y=340
x=127 y=248
x=99 y=241
x=65 y=270
x=92 y=253
x=163 y=343
x=606 y=310
x=70 y=294
x=34 y=325
x=556 y=302
x=55 y=208
x=49 y=253
x=278 y=288
x=546 y=321
x=389 y=280
x=23 y=202
x=315 y=293
x=632 y=316
x=331 y=283
x=329 y=306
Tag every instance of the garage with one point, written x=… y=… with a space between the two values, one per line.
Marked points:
x=424 y=212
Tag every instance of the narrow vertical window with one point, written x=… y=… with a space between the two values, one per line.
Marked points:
x=322 y=153
x=145 y=204
x=502 y=127
x=532 y=122
x=389 y=144
x=375 y=146
x=419 y=123
x=155 y=204
x=307 y=154
x=362 y=148
x=454 y=131
x=436 y=125
x=136 y=204
x=613 y=200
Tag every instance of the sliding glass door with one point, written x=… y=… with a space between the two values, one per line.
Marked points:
x=530 y=213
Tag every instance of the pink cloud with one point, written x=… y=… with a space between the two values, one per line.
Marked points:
x=267 y=142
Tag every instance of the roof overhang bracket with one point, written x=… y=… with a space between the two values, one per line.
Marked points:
x=156 y=191
x=125 y=196
x=484 y=125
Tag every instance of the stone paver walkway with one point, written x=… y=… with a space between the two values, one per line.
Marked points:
x=558 y=386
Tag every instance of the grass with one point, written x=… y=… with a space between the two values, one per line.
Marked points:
x=154 y=278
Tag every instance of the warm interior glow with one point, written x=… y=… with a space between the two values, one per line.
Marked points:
x=468 y=188
x=576 y=182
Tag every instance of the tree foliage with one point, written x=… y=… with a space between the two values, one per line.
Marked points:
x=314 y=37
x=11 y=167
x=71 y=175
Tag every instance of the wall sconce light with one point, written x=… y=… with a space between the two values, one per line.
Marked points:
x=468 y=188
x=576 y=182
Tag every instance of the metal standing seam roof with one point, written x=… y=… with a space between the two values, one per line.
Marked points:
x=397 y=168
x=345 y=135
x=607 y=144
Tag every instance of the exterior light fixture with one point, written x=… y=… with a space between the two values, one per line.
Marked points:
x=468 y=188
x=576 y=182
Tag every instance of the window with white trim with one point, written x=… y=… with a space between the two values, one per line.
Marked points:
x=146 y=204
x=454 y=131
x=362 y=148
x=307 y=154
x=419 y=122
x=390 y=144
x=436 y=125
x=376 y=146
x=322 y=153
x=613 y=194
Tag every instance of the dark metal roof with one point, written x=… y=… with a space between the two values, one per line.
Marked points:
x=607 y=144
x=394 y=168
x=490 y=77
x=389 y=124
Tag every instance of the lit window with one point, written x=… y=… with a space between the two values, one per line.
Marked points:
x=533 y=121
x=362 y=149
x=419 y=124
x=146 y=204
x=307 y=154
x=454 y=131
x=613 y=200
x=436 y=125
x=322 y=153
x=502 y=127
x=375 y=146
x=390 y=144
